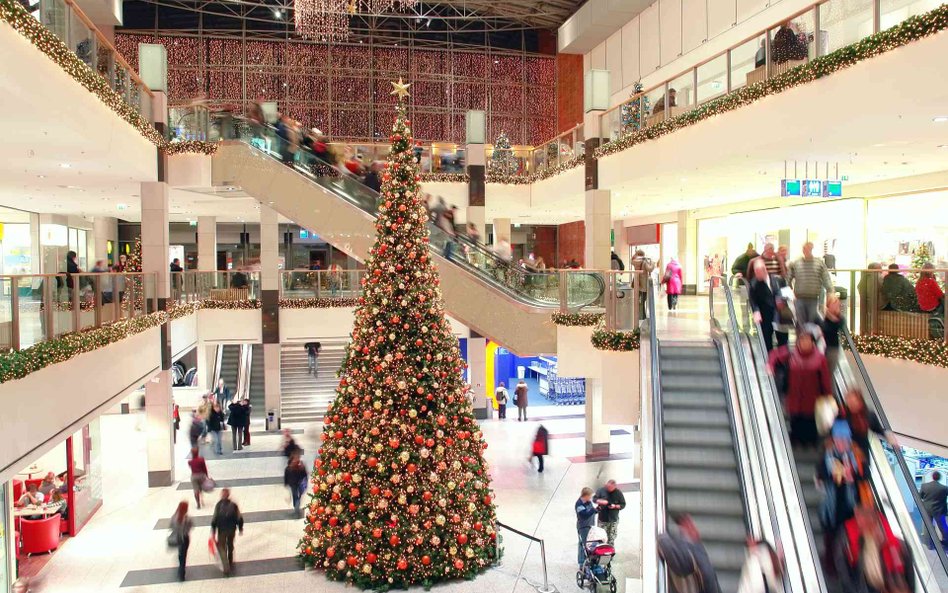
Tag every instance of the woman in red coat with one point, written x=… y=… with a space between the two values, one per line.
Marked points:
x=807 y=379
x=540 y=446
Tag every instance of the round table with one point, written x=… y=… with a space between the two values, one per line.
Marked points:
x=31 y=471
x=43 y=510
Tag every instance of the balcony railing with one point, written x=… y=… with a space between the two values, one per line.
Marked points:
x=67 y=21
x=233 y=285
x=41 y=307
x=321 y=284
x=818 y=30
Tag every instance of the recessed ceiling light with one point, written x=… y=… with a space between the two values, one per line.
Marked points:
x=65 y=165
x=940 y=119
x=41 y=176
x=943 y=146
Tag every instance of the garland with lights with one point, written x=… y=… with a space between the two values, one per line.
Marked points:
x=17 y=364
x=231 y=305
x=319 y=303
x=908 y=31
x=189 y=147
x=502 y=179
x=445 y=178
x=401 y=489
x=563 y=167
x=576 y=319
x=931 y=352
x=616 y=341
x=14 y=14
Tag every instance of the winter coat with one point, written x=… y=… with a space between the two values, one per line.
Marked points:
x=673 y=278
x=521 y=395
x=586 y=512
x=808 y=378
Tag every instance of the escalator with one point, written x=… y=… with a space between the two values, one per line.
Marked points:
x=701 y=472
x=498 y=300
x=255 y=384
x=892 y=486
x=228 y=366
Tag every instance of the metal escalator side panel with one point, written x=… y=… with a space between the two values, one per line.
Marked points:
x=652 y=459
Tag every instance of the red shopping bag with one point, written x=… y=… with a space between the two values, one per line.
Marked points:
x=213 y=552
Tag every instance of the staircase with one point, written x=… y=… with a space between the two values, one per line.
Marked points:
x=701 y=475
x=304 y=398
x=256 y=388
x=230 y=367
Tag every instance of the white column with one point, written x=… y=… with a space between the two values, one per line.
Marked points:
x=155 y=234
x=501 y=230
x=36 y=258
x=597 y=433
x=688 y=249
x=269 y=248
x=160 y=430
x=104 y=229
x=207 y=243
x=598 y=229
x=206 y=358
x=621 y=247
x=477 y=369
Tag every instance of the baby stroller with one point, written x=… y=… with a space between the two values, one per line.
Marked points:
x=596 y=571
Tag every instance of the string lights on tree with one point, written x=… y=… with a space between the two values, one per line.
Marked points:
x=401 y=490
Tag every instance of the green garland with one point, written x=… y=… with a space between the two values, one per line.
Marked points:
x=576 y=319
x=230 y=305
x=13 y=13
x=17 y=364
x=930 y=352
x=320 y=303
x=505 y=179
x=910 y=30
x=616 y=341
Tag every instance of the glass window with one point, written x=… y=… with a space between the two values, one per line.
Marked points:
x=748 y=63
x=681 y=94
x=87 y=466
x=793 y=43
x=896 y=227
x=896 y=11
x=669 y=242
x=15 y=254
x=655 y=106
x=712 y=79
x=843 y=22
x=82 y=251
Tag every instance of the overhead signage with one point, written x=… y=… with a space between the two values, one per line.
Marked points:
x=790 y=187
x=812 y=188
x=304 y=234
x=832 y=189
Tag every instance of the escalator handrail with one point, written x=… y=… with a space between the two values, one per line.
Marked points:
x=657 y=438
x=773 y=410
x=897 y=453
x=371 y=198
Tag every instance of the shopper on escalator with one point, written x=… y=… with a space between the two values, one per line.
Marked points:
x=807 y=379
x=863 y=421
x=741 y=265
x=841 y=476
x=763 y=569
x=831 y=324
x=935 y=498
x=767 y=304
x=373 y=179
x=870 y=558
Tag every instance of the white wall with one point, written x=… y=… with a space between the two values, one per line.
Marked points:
x=304 y=325
x=183 y=334
x=225 y=326
x=44 y=407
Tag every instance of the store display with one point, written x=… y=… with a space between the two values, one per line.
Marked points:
x=502 y=159
x=562 y=391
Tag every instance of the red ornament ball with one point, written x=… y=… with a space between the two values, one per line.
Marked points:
x=459 y=564
x=402 y=564
x=394 y=540
x=426 y=560
x=462 y=539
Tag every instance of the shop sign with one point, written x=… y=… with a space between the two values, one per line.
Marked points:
x=832 y=189
x=790 y=187
x=812 y=188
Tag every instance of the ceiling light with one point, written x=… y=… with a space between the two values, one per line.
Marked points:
x=67 y=165
x=943 y=146
x=940 y=119
x=41 y=176
x=496 y=61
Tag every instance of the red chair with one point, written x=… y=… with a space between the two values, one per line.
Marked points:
x=17 y=490
x=40 y=535
x=63 y=525
x=37 y=481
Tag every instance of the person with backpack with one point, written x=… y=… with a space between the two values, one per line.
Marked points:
x=521 y=398
x=296 y=479
x=225 y=524
x=180 y=536
x=501 y=396
x=312 y=354
x=689 y=567
x=586 y=512
x=540 y=446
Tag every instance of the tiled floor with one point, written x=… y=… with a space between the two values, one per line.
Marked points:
x=125 y=544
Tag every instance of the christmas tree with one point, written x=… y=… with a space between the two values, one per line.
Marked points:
x=631 y=111
x=401 y=488
x=502 y=160
x=921 y=256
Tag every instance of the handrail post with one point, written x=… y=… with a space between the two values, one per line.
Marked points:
x=76 y=319
x=15 y=319
x=564 y=291
x=49 y=315
x=636 y=302
x=97 y=302
x=610 y=302
x=546 y=582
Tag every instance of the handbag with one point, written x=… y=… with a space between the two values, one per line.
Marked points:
x=173 y=541
x=825 y=411
x=208 y=484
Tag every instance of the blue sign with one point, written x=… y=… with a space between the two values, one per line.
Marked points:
x=812 y=188
x=304 y=234
x=790 y=187
x=833 y=189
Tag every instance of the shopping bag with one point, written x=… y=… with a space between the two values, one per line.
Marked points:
x=214 y=553
x=208 y=484
x=826 y=411
x=173 y=540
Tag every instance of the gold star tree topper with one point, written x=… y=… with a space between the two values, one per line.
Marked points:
x=401 y=88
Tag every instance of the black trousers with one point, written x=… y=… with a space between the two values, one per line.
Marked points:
x=238 y=433
x=225 y=547
x=183 y=556
x=501 y=410
x=540 y=459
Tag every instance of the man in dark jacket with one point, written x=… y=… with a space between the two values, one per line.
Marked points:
x=238 y=423
x=689 y=566
x=935 y=498
x=742 y=261
x=610 y=501
x=226 y=521
x=586 y=512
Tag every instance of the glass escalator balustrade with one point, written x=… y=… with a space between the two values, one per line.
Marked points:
x=538 y=289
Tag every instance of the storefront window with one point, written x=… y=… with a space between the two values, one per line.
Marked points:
x=897 y=227
x=669 y=243
x=87 y=468
x=15 y=253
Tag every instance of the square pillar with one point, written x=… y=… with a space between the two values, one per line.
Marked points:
x=160 y=430
x=104 y=229
x=597 y=433
x=501 y=230
x=477 y=186
x=621 y=245
x=272 y=354
x=477 y=370
x=155 y=235
x=688 y=250
x=269 y=249
x=270 y=306
x=206 y=359
x=598 y=229
x=207 y=243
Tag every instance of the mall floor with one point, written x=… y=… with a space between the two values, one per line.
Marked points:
x=123 y=548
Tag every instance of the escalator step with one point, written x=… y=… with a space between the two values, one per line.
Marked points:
x=728 y=580
x=695 y=399
x=691 y=366
x=705 y=503
x=668 y=352
x=702 y=479
x=711 y=437
x=721 y=529
x=725 y=557
x=699 y=417
x=699 y=383
x=710 y=457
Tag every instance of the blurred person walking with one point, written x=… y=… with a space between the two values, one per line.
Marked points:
x=180 y=536
x=199 y=475
x=808 y=277
x=840 y=474
x=225 y=524
x=586 y=512
x=643 y=267
x=863 y=421
x=763 y=569
x=741 y=266
x=289 y=446
x=196 y=429
x=831 y=325
x=689 y=566
x=215 y=424
x=767 y=304
x=774 y=264
x=222 y=394
x=610 y=501
x=540 y=447
x=501 y=396
x=521 y=399
x=312 y=355
x=673 y=281
x=807 y=379
x=870 y=558
x=935 y=498
x=237 y=420
x=296 y=479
